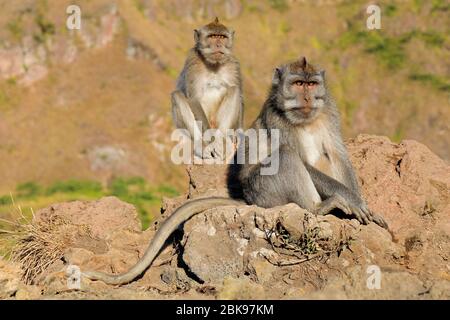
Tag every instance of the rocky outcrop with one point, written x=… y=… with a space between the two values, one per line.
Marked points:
x=247 y=252
x=28 y=61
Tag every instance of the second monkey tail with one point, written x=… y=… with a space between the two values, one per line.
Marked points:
x=179 y=216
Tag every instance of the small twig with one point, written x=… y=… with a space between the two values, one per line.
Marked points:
x=282 y=263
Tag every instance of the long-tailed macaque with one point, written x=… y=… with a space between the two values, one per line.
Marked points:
x=209 y=90
x=314 y=170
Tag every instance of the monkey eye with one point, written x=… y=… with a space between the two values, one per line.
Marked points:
x=298 y=83
x=312 y=83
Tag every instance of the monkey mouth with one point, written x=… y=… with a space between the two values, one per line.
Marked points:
x=304 y=110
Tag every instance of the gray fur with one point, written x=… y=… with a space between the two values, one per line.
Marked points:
x=298 y=180
x=209 y=88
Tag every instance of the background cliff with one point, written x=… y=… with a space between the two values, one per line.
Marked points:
x=87 y=113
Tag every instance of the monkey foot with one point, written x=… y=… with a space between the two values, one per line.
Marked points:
x=361 y=213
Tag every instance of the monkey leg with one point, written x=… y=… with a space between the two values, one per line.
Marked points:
x=362 y=214
x=338 y=196
x=230 y=110
x=334 y=202
x=222 y=149
x=228 y=117
x=188 y=114
x=291 y=184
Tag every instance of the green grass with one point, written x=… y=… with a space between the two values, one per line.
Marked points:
x=15 y=28
x=171 y=72
x=435 y=81
x=349 y=108
x=390 y=10
x=440 y=5
x=430 y=37
x=45 y=29
x=284 y=27
x=398 y=135
x=388 y=50
x=91 y=188
x=140 y=6
x=9 y=94
x=28 y=190
x=136 y=190
x=279 y=5
x=4 y=99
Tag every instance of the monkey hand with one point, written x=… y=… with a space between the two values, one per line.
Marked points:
x=220 y=149
x=354 y=207
x=214 y=150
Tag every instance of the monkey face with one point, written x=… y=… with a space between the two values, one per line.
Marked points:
x=214 y=42
x=301 y=91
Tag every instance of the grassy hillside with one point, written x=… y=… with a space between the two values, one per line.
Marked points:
x=100 y=110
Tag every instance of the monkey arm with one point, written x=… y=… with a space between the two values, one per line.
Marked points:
x=186 y=112
x=229 y=115
x=327 y=187
x=336 y=195
x=345 y=166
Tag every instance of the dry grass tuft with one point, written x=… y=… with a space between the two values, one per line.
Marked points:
x=35 y=246
x=307 y=247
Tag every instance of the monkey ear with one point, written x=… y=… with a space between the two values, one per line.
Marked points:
x=196 y=35
x=276 y=78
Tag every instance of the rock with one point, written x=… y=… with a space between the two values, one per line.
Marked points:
x=34 y=73
x=240 y=289
x=211 y=255
x=11 y=287
x=10 y=275
x=106 y=158
x=11 y=62
x=138 y=50
x=409 y=186
x=103 y=217
x=285 y=252
x=28 y=293
x=208 y=180
x=100 y=31
x=413 y=175
x=263 y=270
x=223 y=243
x=28 y=61
x=190 y=10
x=394 y=285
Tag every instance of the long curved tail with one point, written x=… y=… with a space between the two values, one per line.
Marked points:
x=183 y=213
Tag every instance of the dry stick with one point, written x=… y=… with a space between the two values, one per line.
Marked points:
x=300 y=259
x=288 y=263
x=282 y=263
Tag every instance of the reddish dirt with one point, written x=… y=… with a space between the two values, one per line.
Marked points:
x=233 y=253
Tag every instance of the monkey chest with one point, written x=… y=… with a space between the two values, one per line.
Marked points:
x=316 y=150
x=211 y=93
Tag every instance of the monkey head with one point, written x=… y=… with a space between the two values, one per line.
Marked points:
x=300 y=91
x=214 y=42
